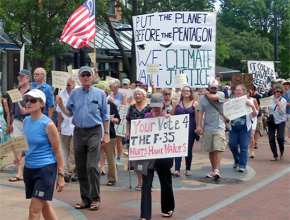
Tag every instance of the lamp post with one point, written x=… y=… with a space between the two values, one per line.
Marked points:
x=276 y=30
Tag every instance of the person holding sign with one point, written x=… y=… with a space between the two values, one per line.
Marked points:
x=240 y=132
x=88 y=106
x=278 y=112
x=137 y=111
x=43 y=159
x=186 y=105
x=4 y=123
x=162 y=167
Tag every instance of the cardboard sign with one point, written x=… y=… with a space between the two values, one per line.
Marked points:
x=154 y=138
x=15 y=95
x=263 y=74
x=59 y=79
x=92 y=57
x=128 y=94
x=14 y=144
x=243 y=79
x=236 y=108
x=152 y=68
x=69 y=69
x=180 y=79
x=75 y=73
x=180 y=42
x=121 y=128
x=266 y=102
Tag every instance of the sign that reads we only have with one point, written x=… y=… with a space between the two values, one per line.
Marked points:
x=180 y=42
x=159 y=137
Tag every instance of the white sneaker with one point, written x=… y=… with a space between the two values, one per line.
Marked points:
x=242 y=170
x=282 y=157
x=252 y=155
x=210 y=175
x=217 y=175
x=274 y=159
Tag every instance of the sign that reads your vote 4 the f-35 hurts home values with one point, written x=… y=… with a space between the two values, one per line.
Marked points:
x=180 y=42
x=159 y=137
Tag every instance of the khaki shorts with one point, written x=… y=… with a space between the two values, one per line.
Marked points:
x=259 y=126
x=213 y=141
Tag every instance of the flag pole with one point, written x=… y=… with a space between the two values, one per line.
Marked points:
x=95 y=52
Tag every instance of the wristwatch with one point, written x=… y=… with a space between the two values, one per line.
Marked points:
x=61 y=174
x=106 y=132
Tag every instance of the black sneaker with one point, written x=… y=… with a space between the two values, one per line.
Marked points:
x=256 y=146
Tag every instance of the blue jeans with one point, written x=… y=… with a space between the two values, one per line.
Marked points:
x=188 y=159
x=280 y=138
x=240 y=136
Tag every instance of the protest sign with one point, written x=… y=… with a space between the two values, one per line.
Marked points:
x=180 y=42
x=92 y=57
x=69 y=69
x=180 y=79
x=13 y=145
x=121 y=128
x=15 y=96
x=236 y=108
x=152 y=68
x=266 y=102
x=59 y=79
x=128 y=94
x=159 y=137
x=75 y=73
x=243 y=79
x=263 y=73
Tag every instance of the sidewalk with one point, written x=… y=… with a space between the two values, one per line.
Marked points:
x=262 y=192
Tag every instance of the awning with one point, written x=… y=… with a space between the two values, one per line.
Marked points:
x=226 y=72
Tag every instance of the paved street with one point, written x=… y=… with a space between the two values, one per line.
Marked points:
x=260 y=193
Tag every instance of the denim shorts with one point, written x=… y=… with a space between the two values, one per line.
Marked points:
x=40 y=182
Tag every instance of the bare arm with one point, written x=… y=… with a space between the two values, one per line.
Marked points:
x=59 y=119
x=106 y=137
x=174 y=104
x=211 y=96
x=112 y=100
x=6 y=109
x=124 y=102
x=53 y=137
x=64 y=110
x=50 y=112
x=128 y=130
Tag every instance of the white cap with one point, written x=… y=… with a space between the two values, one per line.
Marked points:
x=213 y=83
x=36 y=93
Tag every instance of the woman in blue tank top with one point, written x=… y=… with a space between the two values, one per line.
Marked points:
x=186 y=105
x=42 y=159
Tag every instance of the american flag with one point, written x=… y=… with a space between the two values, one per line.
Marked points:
x=80 y=28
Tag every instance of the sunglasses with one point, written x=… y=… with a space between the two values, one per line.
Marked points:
x=37 y=74
x=279 y=92
x=185 y=90
x=68 y=84
x=32 y=101
x=85 y=74
x=167 y=94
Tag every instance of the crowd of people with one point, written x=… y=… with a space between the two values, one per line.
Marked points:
x=86 y=116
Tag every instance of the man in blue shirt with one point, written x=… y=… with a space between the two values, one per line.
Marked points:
x=88 y=106
x=39 y=78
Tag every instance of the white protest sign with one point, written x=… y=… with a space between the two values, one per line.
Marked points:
x=180 y=79
x=59 y=79
x=121 y=128
x=266 y=102
x=263 y=73
x=159 y=137
x=152 y=68
x=128 y=94
x=69 y=69
x=180 y=42
x=15 y=95
x=236 y=108
x=13 y=145
x=75 y=73
x=92 y=57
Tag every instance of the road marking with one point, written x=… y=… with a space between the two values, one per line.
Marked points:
x=238 y=196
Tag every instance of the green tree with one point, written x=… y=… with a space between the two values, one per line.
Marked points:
x=41 y=22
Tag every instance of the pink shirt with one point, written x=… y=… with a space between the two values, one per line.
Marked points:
x=149 y=115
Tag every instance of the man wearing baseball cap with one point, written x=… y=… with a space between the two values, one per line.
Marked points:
x=126 y=83
x=213 y=138
x=88 y=106
x=17 y=117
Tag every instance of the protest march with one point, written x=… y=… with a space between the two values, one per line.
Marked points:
x=128 y=97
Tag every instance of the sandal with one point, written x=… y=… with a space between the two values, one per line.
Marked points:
x=15 y=179
x=172 y=173
x=94 y=206
x=177 y=173
x=188 y=173
x=103 y=173
x=82 y=205
x=168 y=214
x=138 y=188
x=111 y=183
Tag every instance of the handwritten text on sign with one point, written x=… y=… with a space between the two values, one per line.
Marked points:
x=180 y=42
x=59 y=79
x=263 y=73
x=236 y=108
x=159 y=137
x=15 y=95
x=243 y=79
x=266 y=102
x=121 y=128
x=152 y=68
x=14 y=144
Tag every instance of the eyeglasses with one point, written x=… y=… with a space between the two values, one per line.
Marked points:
x=279 y=92
x=37 y=74
x=167 y=94
x=32 y=101
x=85 y=74
x=214 y=88
x=137 y=85
x=21 y=76
x=68 y=84
x=185 y=90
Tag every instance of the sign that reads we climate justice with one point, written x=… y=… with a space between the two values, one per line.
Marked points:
x=180 y=42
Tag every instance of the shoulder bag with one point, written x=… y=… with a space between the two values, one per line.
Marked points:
x=270 y=119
